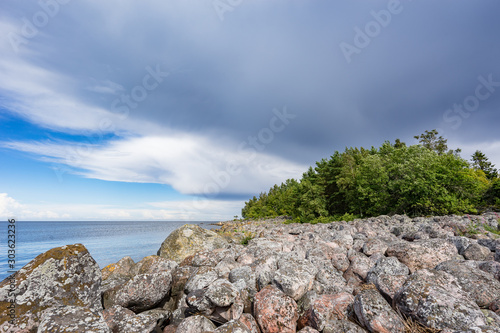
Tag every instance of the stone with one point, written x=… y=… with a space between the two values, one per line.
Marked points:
x=120 y=319
x=477 y=252
x=199 y=303
x=189 y=239
x=62 y=276
x=124 y=268
x=422 y=254
x=294 y=277
x=330 y=281
x=221 y=293
x=233 y=326
x=308 y=329
x=202 y=279
x=66 y=319
x=154 y=264
x=195 y=324
x=482 y=287
x=249 y=321
x=374 y=313
x=388 y=275
x=245 y=274
x=436 y=300
x=374 y=245
x=141 y=293
x=344 y=326
x=325 y=308
x=360 y=265
x=274 y=311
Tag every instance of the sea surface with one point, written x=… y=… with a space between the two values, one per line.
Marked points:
x=107 y=241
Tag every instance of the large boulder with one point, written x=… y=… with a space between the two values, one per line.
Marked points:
x=124 y=320
x=421 y=254
x=274 y=311
x=436 y=300
x=373 y=311
x=141 y=293
x=325 y=308
x=189 y=239
x=195 y=324
x=69 y=319
x=63 y=276
x=388 y=275
x=482 y=287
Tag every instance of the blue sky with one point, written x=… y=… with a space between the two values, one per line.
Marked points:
x=126 y=110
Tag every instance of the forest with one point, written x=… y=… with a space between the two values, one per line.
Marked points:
x=418 y=180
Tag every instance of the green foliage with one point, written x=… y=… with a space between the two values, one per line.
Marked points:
x=392 y=179
x=480 y=162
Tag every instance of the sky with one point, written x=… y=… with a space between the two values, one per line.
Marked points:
x=183 y=110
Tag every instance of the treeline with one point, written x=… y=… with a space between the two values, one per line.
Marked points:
x=417 y=180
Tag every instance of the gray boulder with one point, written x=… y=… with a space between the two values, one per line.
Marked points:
x=374 y=313
x=436 y=300
x=189 y=239
x=68 y=319
x=195 y=324
x=63 y=276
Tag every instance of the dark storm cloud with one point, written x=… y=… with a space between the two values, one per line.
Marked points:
x=227 y=76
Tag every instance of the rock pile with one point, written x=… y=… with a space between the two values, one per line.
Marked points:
x=372 y=275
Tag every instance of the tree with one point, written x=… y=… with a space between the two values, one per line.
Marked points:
x=431 y=141
x=480 y=162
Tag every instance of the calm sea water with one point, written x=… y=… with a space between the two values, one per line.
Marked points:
x=107 y=241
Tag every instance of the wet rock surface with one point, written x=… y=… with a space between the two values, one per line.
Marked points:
x=336 y=277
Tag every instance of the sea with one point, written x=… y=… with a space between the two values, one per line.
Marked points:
x=106 y=241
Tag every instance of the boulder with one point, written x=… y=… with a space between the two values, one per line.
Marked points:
x=482 y=287
x=63 y=276
x=388 y=275
x=141 y=293
x=195 y=324
x=294 y=277
x=120 y=319
x=68 y=319
x=422 y=254
x=124 y=268
x=374 y=313
x=189 y=239
x=435 y=299
x=477 y=252
x=154 y=264
x=233 y=326
x=221 y=293
x=344 y=326
x=249 y=321
x=325 y=308
x=274 y=311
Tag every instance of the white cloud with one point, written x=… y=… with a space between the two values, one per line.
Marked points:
x=191 y=164
x=185 y=210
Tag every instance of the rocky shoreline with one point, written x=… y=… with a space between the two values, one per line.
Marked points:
x=382 y=274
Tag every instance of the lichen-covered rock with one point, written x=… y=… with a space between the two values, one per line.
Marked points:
x=436 y=300
x=373 y=312
x=374 y=245
x=245 y=274
x=221 y=293
x=202 y=279
x=477 y=252
x=154 y=264
x=330 y=281
x=124 y=268
x=249 y=321
x=360 y=265
x=120 y=319
x=388 y=275
x=68 y=319
x=195 y=324
x=308 y=329
x=62 y=276
x=143 y=292
x=294 y=277
x=325 y=308
x=189 y=239
x=199 y=303
x=422 y=253
x=482 y=287
x=274 y=311
x=233 y=326
x=344 y=326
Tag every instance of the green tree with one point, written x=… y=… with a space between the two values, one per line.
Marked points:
x=480 y=162
x=431 y=141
